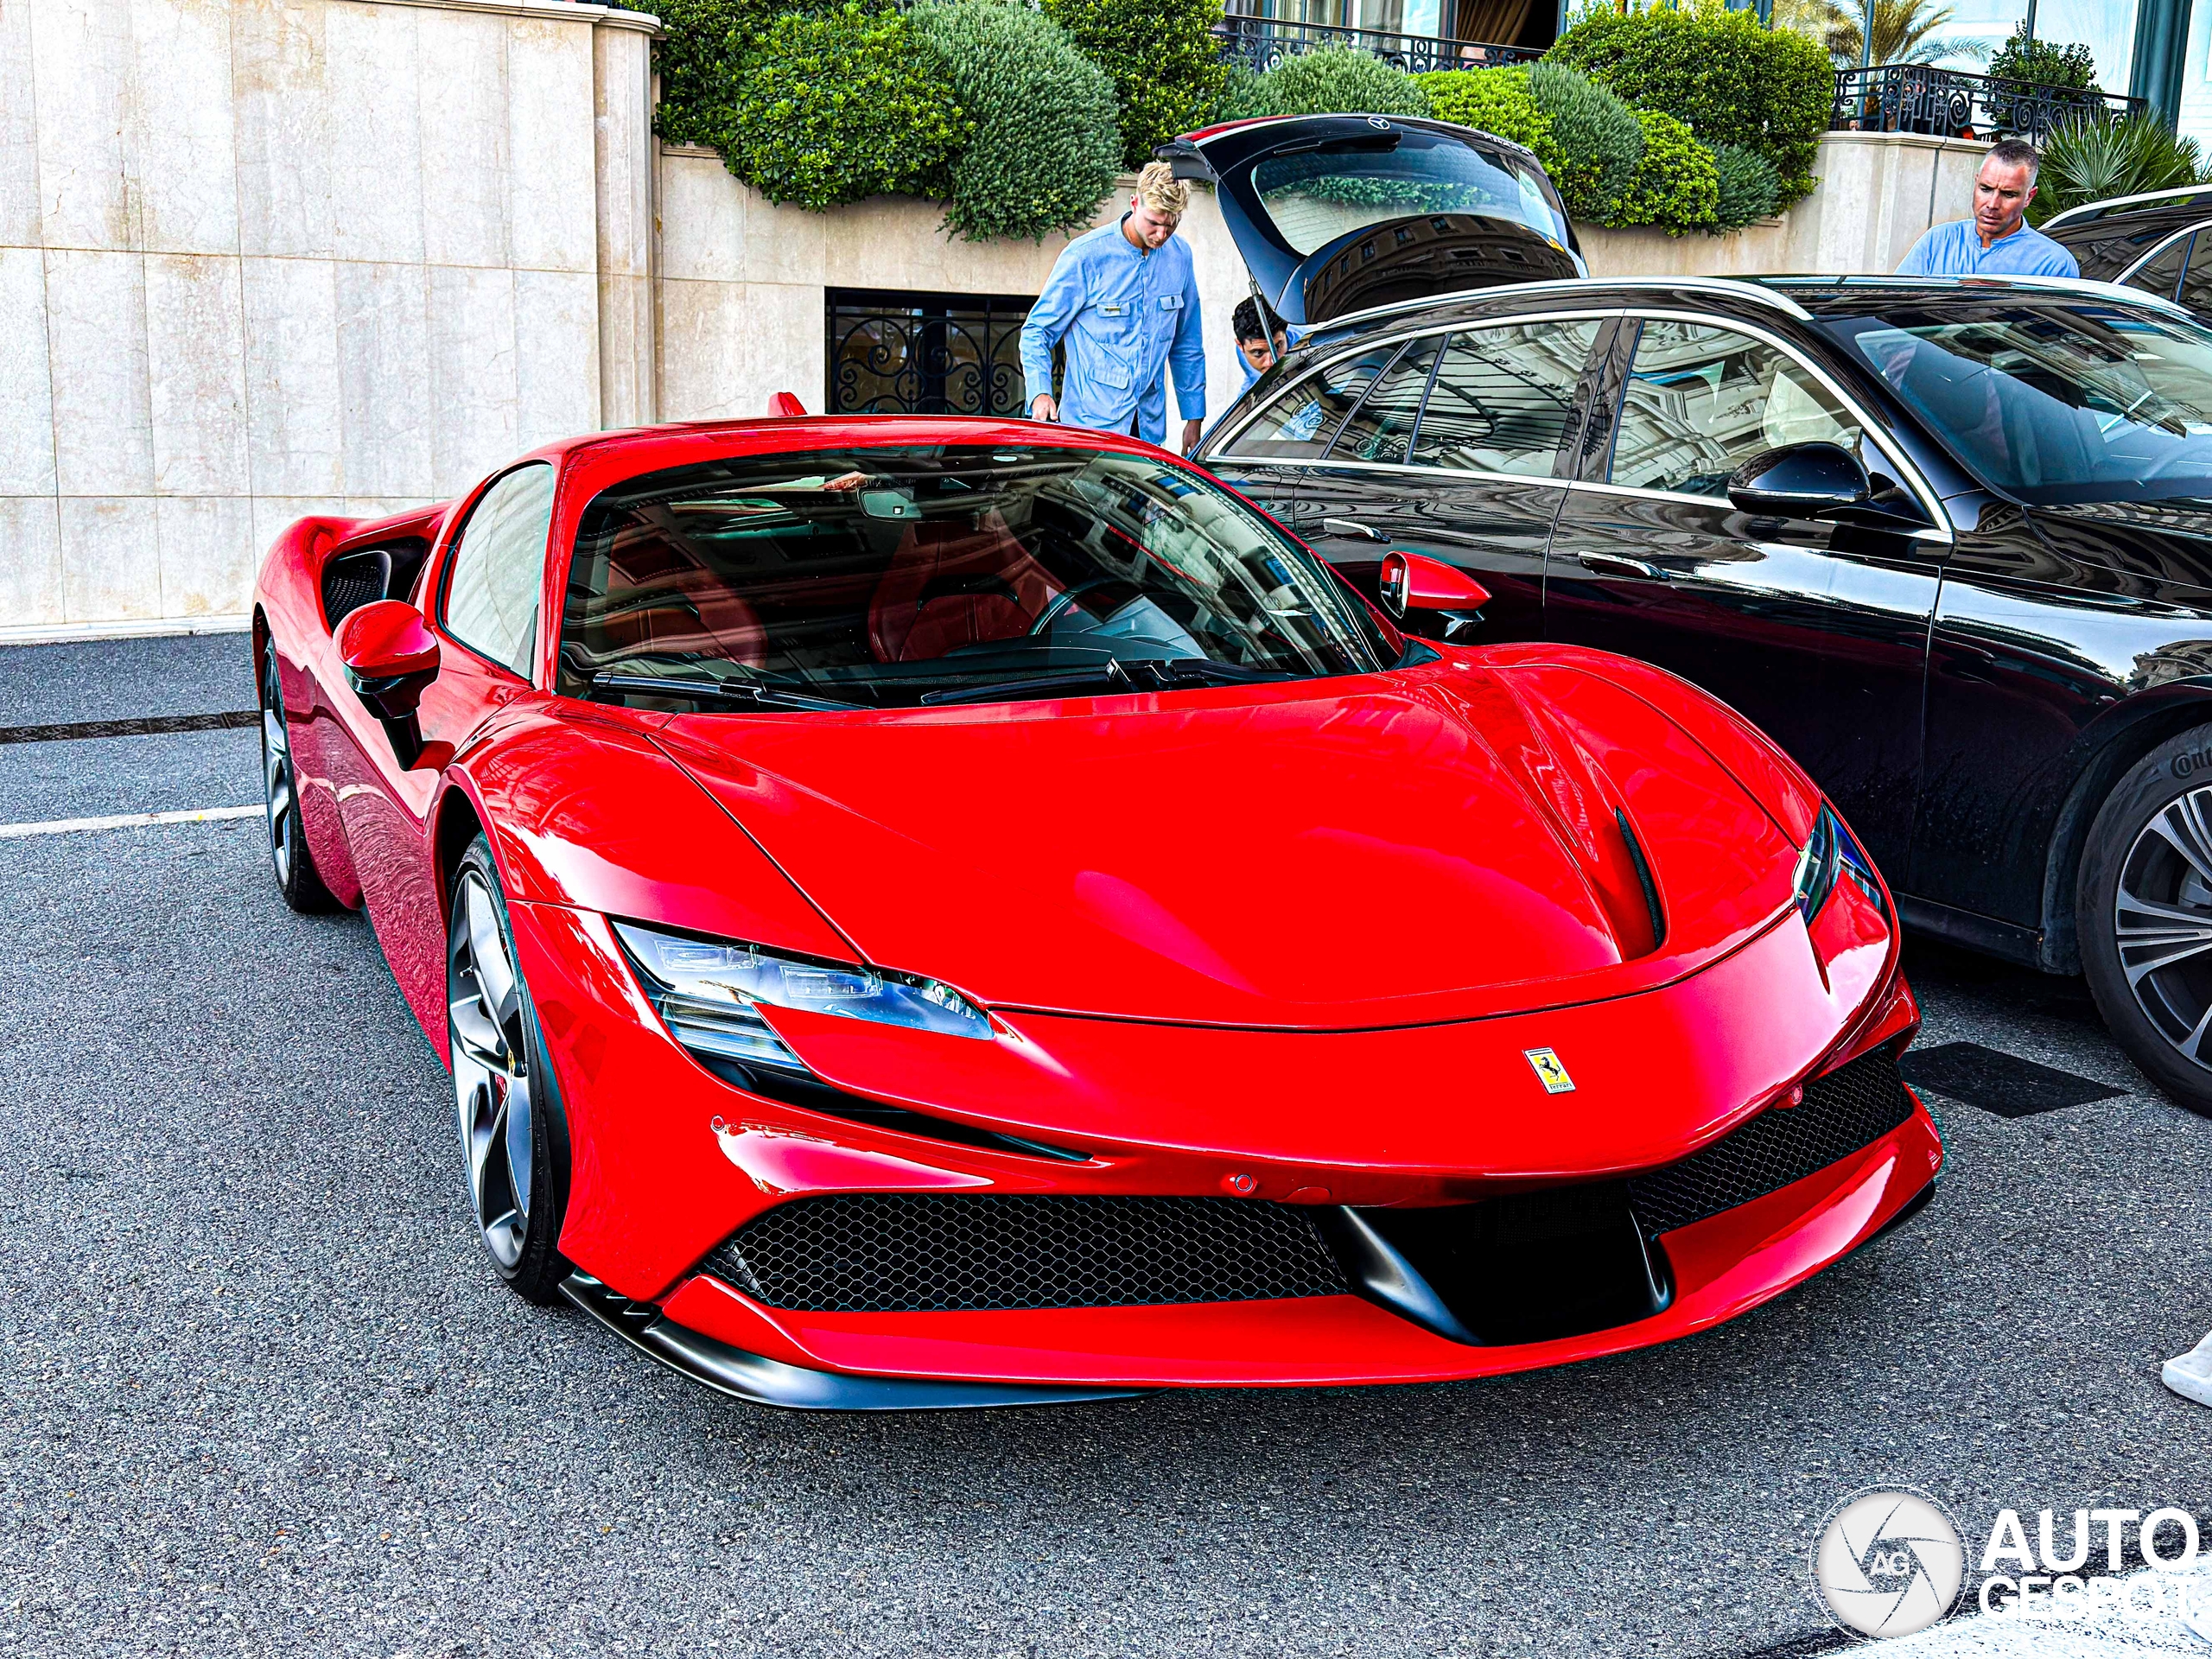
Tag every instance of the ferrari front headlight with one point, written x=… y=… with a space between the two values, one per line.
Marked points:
x=709 y=991
x=1831 y=855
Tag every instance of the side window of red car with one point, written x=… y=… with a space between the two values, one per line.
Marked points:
x=498 y=567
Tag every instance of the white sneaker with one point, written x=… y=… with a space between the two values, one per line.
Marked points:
x=2190 y=1376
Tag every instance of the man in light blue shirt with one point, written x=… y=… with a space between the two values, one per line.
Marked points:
x=1996 y=241
x=1124 y=299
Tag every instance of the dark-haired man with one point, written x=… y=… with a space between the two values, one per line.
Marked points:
x=1260 y=344
x=1996 y=241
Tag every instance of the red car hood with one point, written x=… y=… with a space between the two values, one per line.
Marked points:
x=1428 y=845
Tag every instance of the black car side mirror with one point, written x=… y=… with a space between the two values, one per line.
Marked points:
x=1801 y=481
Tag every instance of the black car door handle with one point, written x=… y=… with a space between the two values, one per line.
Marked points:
x=1354 y=529
x=1619 y=564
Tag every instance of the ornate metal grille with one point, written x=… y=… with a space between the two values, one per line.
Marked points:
x=1913 y=98
x=894 y=353
x=1262 y=42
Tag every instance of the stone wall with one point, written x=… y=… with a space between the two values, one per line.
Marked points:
x=265 y=257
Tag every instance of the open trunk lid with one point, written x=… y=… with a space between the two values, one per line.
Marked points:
x=1338 y=213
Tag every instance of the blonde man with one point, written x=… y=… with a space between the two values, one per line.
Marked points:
x=1124 y=299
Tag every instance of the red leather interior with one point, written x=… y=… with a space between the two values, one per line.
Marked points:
x=659 y=599
x=955 y=582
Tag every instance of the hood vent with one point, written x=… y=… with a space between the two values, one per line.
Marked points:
x=1644 y=878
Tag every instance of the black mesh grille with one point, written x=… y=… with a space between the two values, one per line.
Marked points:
x=1849 y=1108
x=348 y=584
x=879 y=1252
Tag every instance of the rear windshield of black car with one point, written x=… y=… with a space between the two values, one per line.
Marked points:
x=2050 y=399
x=894 y=578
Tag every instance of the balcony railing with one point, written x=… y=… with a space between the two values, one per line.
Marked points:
x=1945 y=104
x=1264 y=42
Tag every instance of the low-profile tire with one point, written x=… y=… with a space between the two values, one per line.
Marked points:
x=2143 y=912
x=297 y=879
x=513 y=1133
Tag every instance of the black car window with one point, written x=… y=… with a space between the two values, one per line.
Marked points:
x=1702 y=400
x=2196 y=279
x=2161 y=274
x=497 y=568
x=1503 y=399
x=1299 y=424
x=1382 y=425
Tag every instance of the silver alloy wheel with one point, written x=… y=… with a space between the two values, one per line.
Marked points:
x=491 y=1069
x=2162 y=922
x=277 y=785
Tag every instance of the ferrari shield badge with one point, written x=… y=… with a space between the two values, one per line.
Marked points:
x=1548 y=1071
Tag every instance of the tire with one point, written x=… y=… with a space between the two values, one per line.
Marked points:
x=513 y=1133
x=297 y=879
x=2143 y=910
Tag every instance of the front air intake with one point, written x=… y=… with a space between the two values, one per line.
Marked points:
x=926 y=1252
x=1848 y=1109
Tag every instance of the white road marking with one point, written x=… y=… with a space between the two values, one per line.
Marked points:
x=128 y=821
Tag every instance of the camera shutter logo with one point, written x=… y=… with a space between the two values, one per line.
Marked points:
x=1888 y=1562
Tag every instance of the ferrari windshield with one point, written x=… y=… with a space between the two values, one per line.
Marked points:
x=1315 y=196
x=883 y=578
x=2053 y=400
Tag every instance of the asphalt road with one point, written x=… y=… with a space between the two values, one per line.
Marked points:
x=259 y=1394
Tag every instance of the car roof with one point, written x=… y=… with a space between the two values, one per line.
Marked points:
x=2188 y=197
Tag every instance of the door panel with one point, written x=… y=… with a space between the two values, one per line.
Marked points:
x=1817 y=632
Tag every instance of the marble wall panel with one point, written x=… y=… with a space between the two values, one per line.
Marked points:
x=293 y=389
x=26 y=383
x=556 y=355
x=384 y=378
x=285 y=122
x=727 y=347
x=111 y=558
x=19 y=211
x=622 y=93
x=30 y=572
x=626 y=333
x=195 y=363
x=82 y=62
x=553 y=195
x=182 y=149
x=207 y=553
x=376 y=126
x=466 y=161
x=475 y=420
x=95 y=324
x=702 y=221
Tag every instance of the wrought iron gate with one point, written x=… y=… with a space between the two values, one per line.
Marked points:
x=899 y=353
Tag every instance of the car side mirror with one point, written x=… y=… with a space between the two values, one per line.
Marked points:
x=1801 y=481
x=390 y=655
x=1413 y=582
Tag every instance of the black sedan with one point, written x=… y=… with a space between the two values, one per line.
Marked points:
x=1948 y=541
x=2160 y=242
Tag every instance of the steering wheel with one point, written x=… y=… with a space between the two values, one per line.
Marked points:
x=1062 y=600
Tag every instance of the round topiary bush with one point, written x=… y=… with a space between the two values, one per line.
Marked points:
x=1332 y=80
x=839 y=107
x=1592 y=124
x=1677 y=186
x=1045 y=145
x=1163 y=58
x=1496 y=101
x=1732 y=79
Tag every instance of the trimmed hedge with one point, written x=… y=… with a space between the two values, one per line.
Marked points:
x=1329 y=80
x=1163 y=58
x=1592 y=124
x=703 y=51
x=1496 y=101
x=1749 y=187
x=1731 y=78
x=1045 y=146
x=842 y=106
x=1676 y=185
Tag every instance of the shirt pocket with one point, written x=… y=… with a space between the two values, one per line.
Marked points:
x=1171 y=302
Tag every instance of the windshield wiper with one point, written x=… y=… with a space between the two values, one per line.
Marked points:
x=1146 y=674
x=739 y=691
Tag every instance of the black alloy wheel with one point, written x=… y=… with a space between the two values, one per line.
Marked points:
x=512 y=1133
x=2144 y=913
x=297 y=879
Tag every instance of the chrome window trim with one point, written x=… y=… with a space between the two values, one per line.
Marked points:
x=1937 y=535
x=2078 y=285
x=1552 y=479
x=1931 y=503
x=1517 y=319
x=2126 y=276
x=1741 y=288
x=2095 y=210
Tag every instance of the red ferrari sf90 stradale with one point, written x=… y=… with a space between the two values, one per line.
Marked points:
x=931 y=913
